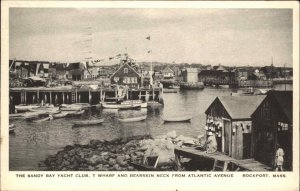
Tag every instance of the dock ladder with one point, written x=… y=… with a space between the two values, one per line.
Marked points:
x=73 y=96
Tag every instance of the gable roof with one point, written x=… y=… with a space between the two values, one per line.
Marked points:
x=285 y=102
x=167 y=69
x=240 y=107
x=126 y=64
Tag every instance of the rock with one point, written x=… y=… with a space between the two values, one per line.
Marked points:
x=171 y=134
x=91 y=168
x=127 y=157
x=130 y=168
x=112 y=162
x=72 y=152
x=99 y=166
x=68 y=148
x=94 y=160
x=139 y=153
x=123 y=163
x=104 y=153
x=120 y=158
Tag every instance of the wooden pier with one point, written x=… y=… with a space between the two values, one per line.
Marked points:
x=221 y=162
x=71 y=94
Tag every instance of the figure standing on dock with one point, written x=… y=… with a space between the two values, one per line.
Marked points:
x=279 y=158
x=211 y=143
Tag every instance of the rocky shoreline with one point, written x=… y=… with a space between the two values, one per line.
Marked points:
x=118 y=154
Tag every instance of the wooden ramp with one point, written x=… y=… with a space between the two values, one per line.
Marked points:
x=221 y=161
x=252 y=165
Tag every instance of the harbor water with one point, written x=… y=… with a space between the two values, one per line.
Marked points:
x=33 y=142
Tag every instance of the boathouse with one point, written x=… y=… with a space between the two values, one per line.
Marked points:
x=229 y=117
x=126 y=75
x=190 y=75
x=272 y=125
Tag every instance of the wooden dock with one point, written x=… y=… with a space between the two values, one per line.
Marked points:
x=221 y=161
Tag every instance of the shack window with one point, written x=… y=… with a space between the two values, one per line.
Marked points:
x=125 y=70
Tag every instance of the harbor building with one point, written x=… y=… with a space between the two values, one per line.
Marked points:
x=272 y=125
x=229 y=117
x=126 y=75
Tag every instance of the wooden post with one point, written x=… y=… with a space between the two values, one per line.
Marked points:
x=79 y=98
x=177 y=161
x=22 y=97
x=153 y=93
x=67 y=98
x=45 y=97
x=25 y=96
x=38 y=96
x=76 y=95
x=63 y=97
x=101 y=94
x=50 y=98
x=90 y=96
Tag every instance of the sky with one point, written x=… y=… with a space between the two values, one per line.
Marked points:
x=233 y=37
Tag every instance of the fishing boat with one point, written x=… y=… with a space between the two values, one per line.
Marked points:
x=177 y=119
x=12 y=128
x=133 y=119
x=88 y=122
x=23 y=108
x=119 y=106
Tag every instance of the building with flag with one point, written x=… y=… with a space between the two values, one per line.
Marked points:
x=127 y=76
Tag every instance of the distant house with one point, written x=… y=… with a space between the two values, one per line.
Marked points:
x=190 y=75
x=76 y=71
x=167 y=73
x=60 y=71
x=229 y=117
x=216 y=77
x=273 y=124
x=257 y=76
x=242 y=74
x=270 y=72
x=126 y=75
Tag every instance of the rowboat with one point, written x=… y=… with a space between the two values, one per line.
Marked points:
x=177 y=119
x=16 y=115
x=41 y=120
x=135 y=102
x=60 y=115
x=23 y=108
x=75 y=113
x=72 y=107
x=170 y=90
x=120 y=106
x=88 y=122
x=35 y=114
x=133 y=119
x=11 y=128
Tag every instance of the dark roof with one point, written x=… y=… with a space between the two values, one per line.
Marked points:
x=240 y=107
x=285 y=102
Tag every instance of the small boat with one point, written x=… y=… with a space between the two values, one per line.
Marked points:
x=23 y=108
x=135 y=102
x=133 y=119
x=34 y=114
x=44 y=119
x=120 y=106
x=170 y=90
x=16 y=115
x=177 y=119
x=88 y=122
x=60 y=115
x=75 y=113
x=12 y=128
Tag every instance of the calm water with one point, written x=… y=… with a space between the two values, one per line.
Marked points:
x=33 y=142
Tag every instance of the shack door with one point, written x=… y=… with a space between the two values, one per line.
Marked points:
x=226 y=136
x=246 y=145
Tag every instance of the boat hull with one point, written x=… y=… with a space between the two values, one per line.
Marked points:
x=88 y=122
x=134 y=119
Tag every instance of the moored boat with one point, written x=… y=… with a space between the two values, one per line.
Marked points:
x=75 y=113
x=137 y=102
x=120 y=106
x=88 y=122
x=16 y=115
x=41 y=120
x=60 y=115
x=177 y=119
x=133 y=119
x=170 y=90
x=23 y=108
x=12 y=128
